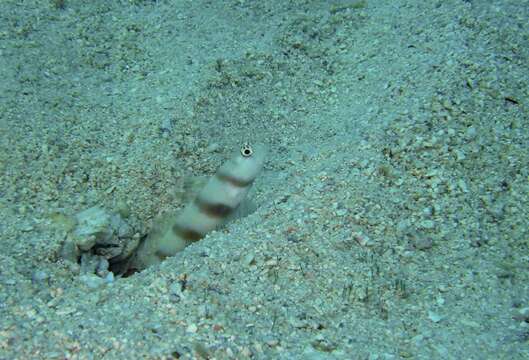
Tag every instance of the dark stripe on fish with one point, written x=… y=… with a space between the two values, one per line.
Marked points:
x=187 y=234
x=233 y=180
x=213 y=210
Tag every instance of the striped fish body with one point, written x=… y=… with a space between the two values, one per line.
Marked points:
x=213 y=206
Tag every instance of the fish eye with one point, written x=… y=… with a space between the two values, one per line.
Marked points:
x=246 y=150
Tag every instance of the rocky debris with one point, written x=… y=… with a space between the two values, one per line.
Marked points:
x=99 y=238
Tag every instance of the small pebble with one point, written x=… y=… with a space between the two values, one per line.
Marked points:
x=192 y=328
x=434 y=317
x=109 y=278
x=39 y=276
x=423 y=243
x=427 y=224
x=92 y=281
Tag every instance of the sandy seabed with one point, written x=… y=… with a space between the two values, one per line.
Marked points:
x=392 y=212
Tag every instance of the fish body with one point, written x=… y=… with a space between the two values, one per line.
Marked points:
x=214 y=205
